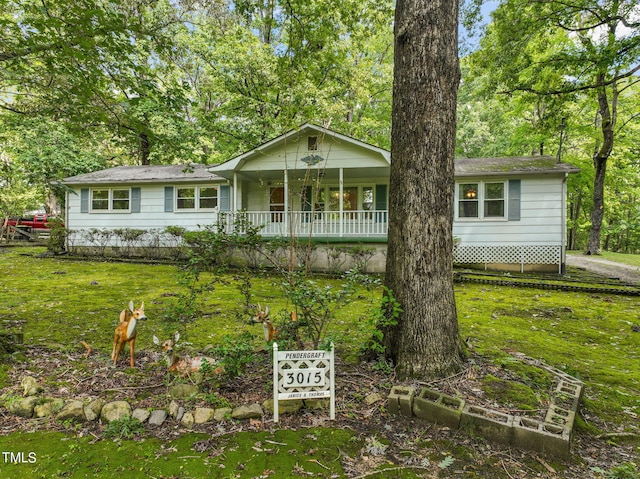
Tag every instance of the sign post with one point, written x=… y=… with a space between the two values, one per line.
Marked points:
x=303 y=375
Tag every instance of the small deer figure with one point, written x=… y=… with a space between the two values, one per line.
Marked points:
x=184 y=365
x=126 y=331
x=262 y=316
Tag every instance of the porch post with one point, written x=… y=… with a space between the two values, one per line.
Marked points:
x=341 y=202
x=286 y=202
x=234 y=202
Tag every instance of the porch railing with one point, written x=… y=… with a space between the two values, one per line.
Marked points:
x=358 y=224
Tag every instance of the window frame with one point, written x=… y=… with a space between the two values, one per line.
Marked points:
x=110 y=200
x=481 y=200
x=196 y=198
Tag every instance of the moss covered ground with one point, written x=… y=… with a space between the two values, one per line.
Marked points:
x=57 y=302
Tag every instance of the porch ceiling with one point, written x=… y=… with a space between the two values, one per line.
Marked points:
x=328 y=174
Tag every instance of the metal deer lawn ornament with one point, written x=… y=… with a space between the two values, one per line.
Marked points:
x=126 y=331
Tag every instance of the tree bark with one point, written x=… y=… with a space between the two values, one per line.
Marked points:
x=425 y=341
x=607 y=118
x=145 y=149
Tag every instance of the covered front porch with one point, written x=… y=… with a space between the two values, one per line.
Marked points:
x=353 y=224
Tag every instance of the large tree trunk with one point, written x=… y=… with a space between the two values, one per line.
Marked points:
x=145 y=149
x=608 y=120
x=425 y=341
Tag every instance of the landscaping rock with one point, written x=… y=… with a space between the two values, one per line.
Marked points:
x=251 y=411
x=48 y=407
x=373 y=398
x=187 y=420
x=72 y=411
x=174 y=409
x=222 y=413
x=93 y=409
x=284 y=407
x=158 y=417
x=203 y=414
x=317 y=403
x=114 y=411
x=141 y=414
x=30 y=387
x=24 y=407
x=180 y=413
x=183 y=391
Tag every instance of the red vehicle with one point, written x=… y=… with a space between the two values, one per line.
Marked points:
x=39 y=221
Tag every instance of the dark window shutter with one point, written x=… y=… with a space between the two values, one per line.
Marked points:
x=381 y=203
x=136 y=195
x=84 y=200
x=225 y=198
x=168 y=199
x=514 y=200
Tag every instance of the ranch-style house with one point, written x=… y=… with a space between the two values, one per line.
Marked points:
x=315 y=183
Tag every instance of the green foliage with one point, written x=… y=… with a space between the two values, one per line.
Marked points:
x=316 y=304
x=235 y=352
x=626 y=470
x=56 y=242
x=125 y=428
x=384 y=316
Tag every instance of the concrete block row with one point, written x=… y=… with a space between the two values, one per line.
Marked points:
x=550 y=436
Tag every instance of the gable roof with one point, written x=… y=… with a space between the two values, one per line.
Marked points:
x=236 y=163
x=193 y=173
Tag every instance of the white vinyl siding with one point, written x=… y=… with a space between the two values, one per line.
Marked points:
x=151 y=206
x=540 y=221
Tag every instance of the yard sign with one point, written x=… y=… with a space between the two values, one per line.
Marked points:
x=303 y=375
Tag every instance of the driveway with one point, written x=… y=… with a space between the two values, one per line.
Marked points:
x=606 y=268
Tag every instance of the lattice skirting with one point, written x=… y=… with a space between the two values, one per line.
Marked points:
x=508 y=254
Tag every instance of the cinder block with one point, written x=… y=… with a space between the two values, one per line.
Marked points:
x=567 y=394
x=401 y=400
x=542 y=437
x=439 y=408
x=493 y=425
x=558 y=416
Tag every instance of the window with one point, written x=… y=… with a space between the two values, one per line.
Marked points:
x=120 y=199
x=367 y=198
x=312 y=143
x=111 y=199
x=186 y=198
x=349 y=198
x=494 y=200
x=481 y=200
x=196 y=198
x=100 y=200
x=208 y=198
x=468 y=200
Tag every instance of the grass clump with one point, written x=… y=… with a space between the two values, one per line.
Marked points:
x=125 y=428
x=511 y=393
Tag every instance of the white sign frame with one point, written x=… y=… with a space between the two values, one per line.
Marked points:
x=296 y=376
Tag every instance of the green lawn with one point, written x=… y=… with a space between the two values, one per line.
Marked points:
x=59 y=302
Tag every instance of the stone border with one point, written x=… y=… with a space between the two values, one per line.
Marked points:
x=551 y=436
x=34 y=405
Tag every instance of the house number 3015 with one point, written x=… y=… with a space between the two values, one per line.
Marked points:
x=294 y=378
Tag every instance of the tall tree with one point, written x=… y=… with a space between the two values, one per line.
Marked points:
x=97 y=65
x=425 y=341
x=568 y=48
